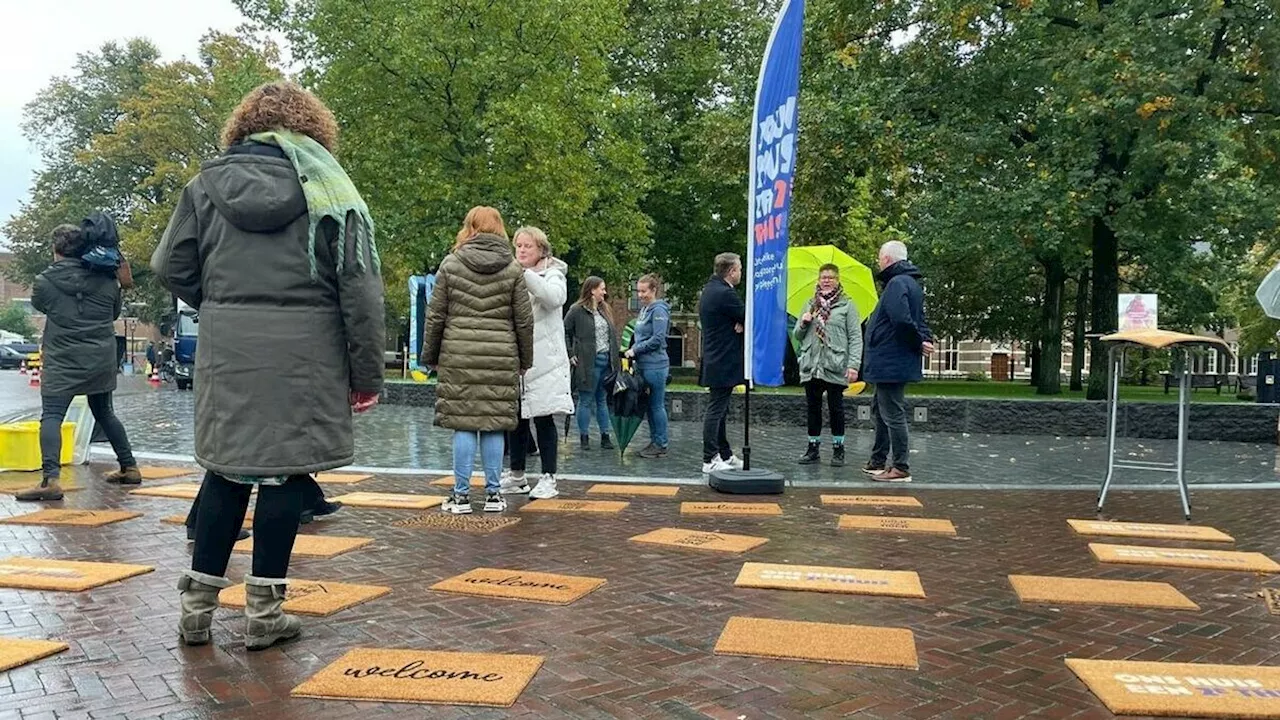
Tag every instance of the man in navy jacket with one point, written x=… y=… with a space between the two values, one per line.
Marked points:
x=722 y=314
x=897 y=337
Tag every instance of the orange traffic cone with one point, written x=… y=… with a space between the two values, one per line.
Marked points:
x=154 y=379
x=23 y=371
x=35 y=377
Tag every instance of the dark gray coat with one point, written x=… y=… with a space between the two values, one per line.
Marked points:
x=78 y=351
x=580 y=337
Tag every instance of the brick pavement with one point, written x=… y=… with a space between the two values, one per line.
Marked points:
x=641 y=645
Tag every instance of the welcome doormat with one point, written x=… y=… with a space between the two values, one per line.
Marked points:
x=82 y=518
x=477 y=481
x=819 y=642
x=181 y=491
x=477 y=524
x=68 y=575
x=814 y=578
x=521 y=585
x=877 y=523
x=398 y=501
x=579 y=506
x=1182 y=689
x=165 y=473
x=1199 y=533
x=12 y=482
x=421 y=676
x=341 y=478
x=1184 y=558
x=730 y=508
x=645 y=490
x=1087 y=591
x=873 y=500
x=16 y=652
x=325 y=546
x=698 y=540
x=312 y=597
x=182 y=519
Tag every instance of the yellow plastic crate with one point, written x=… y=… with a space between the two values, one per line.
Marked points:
x=20 y=445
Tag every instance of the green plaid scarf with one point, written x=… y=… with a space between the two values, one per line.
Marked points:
x=329 y=193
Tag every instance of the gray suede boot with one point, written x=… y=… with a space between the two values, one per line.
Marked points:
x=199 y=600
x=266 y=624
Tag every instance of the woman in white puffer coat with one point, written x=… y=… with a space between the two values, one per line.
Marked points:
x=546 y=389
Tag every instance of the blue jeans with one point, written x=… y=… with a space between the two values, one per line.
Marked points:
x=464 y=459
x=656 y=379
x=598 y=397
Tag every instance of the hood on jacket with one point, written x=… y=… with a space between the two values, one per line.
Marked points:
x=256 y=193
x=486 y=254
x=902 y=267
x=554 y=264
x=658 y=303
x=68 y=275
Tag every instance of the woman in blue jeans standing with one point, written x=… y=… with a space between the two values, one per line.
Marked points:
x=593 y=352
x=649 y=350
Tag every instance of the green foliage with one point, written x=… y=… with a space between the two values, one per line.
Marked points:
x=14 y=319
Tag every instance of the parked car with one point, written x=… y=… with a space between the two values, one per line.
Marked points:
x=13 y=355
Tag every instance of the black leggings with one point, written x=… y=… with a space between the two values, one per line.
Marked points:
x=275 y=524
x=547 y=444
x=813 y=391
x=314 y=499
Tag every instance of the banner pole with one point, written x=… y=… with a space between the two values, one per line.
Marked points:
x=746 y=428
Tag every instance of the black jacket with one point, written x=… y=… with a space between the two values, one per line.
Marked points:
x=897 y=329
x=78 y=351
x=719 y=310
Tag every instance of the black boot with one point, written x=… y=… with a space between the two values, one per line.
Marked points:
x=586 y=442
x=810 y=455
x=837 y=456
x=605 y=442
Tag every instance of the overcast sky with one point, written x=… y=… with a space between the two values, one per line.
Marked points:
x=43 y=39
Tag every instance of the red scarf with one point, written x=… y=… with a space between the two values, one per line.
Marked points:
x=821 y=309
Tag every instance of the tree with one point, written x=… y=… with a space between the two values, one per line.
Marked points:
x=15 y=319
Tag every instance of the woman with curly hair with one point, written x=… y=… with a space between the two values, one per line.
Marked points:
x=273 y=245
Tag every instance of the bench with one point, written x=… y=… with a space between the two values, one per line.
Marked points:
x=1198 y=380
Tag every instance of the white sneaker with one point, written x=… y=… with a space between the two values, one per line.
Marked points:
x=546 y=488
x=512 y=485
x=735 y=462
x=494 y=502
x=716 y=465
x=457 y=504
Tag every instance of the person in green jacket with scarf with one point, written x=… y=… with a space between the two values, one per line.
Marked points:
x=829 y=339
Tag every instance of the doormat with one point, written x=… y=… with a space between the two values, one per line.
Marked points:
x=312 y=597
x=814 y=578
x=181 y=491
x=16 y=652
x=1271 y=596
x=182 y=520
x=341 y=478
x=41 y=574
x=324 y=546
x=400 y=501
x=1178 y=557
x=1198 y=533
x=819 y=642
x=730 y=508
x=698 y=540
x=1182 y=689
x=422 y=676
x=873 y=500
x=477 y=481
x=12 y=482
x=521 y=585
x=582 y=506
x=83 y=518
x=477 y=524
x=1087 y=591
x=648 y=490
x=876 y=523
x=166 y=473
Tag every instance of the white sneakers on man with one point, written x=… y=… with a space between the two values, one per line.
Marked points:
x=716 y=465
x=511 y=484
x=546 y=488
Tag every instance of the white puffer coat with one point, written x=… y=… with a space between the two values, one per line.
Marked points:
x=546 y=384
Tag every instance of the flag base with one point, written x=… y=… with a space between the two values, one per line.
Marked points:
x=756 y=481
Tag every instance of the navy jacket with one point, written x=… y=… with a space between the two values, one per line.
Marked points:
x=719 y=310
x=897 y=329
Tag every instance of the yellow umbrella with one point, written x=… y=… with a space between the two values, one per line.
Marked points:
x=802 y=277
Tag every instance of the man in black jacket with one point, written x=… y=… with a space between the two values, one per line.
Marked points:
x=722 y=314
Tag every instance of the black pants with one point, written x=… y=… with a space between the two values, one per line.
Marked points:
x=889 y=413
x=547 y=444
x=54 y=411
x=275 y=524
x=715 y=438
x=313 y=497
x=813 y=391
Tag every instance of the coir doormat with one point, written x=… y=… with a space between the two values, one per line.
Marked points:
x=730 y=508
x=477 y=481
x=41 y=574
x=1087 y=591
x=398 y=501
x=165 y=473
x=1184 y=558
x=521 y=585
x=819 y=642
x=854 y=581
x=82 y=518
x=16 y=652
x=877 y=523
x=698 y=540
x=324 y=546
x=639 y=490
x=872 y=500
x=182 y=519
x=341 y=478
x=1182 y=689
x=312 y=597
x=12 y=482
x=1199 y=533
x=477 y=524
x=576 y=506
x=420 y=676
x=181 y=491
